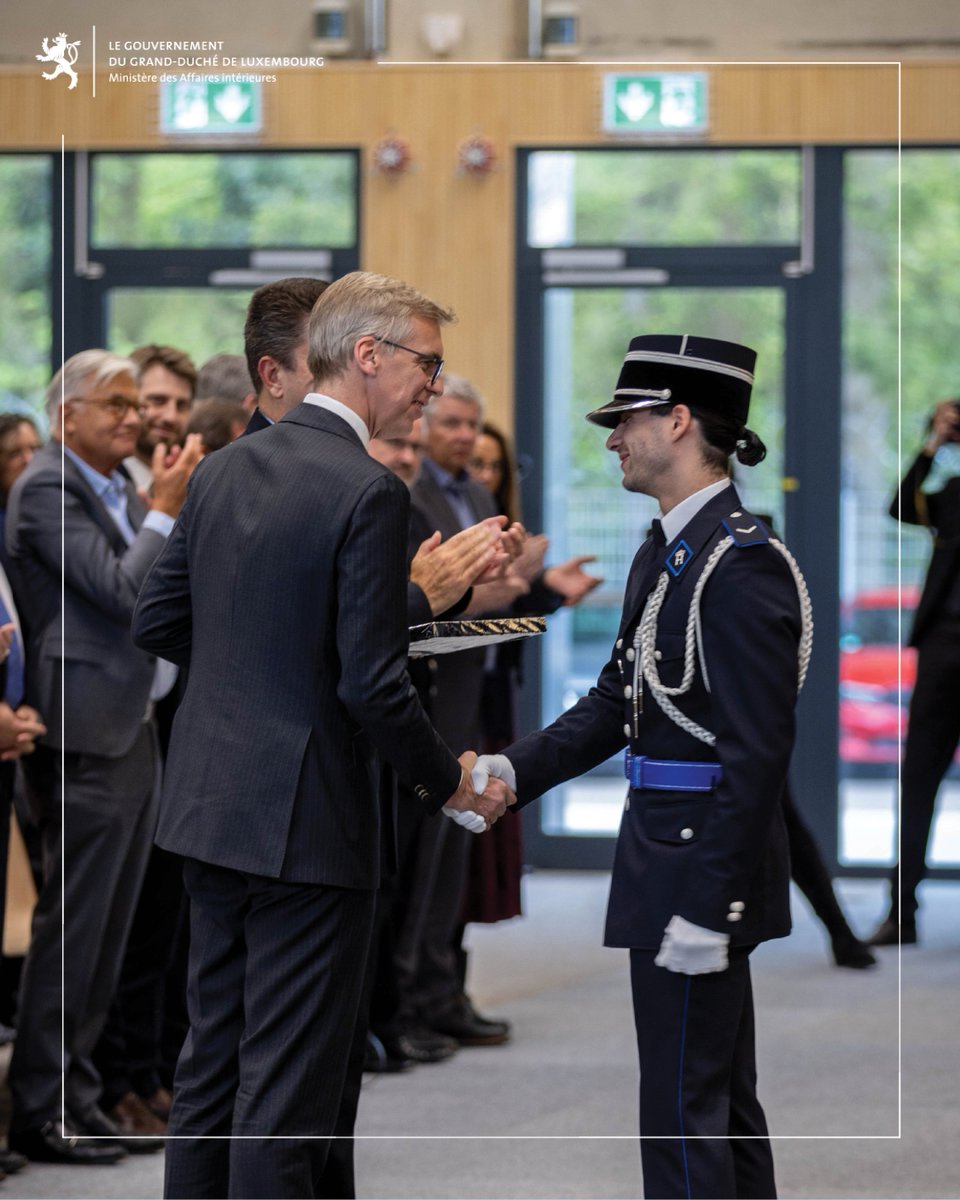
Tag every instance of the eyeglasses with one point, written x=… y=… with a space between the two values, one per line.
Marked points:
x=116 y=405
x=430 y=364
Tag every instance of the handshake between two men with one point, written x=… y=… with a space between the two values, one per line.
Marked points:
x=487 y=789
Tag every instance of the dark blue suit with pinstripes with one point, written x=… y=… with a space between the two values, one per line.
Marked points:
x=284 y=588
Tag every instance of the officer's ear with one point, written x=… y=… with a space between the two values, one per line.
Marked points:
x=681 y=420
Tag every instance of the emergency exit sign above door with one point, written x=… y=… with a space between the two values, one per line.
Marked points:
x=665 y=104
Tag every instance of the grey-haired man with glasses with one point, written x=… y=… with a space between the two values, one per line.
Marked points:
x=81 y=542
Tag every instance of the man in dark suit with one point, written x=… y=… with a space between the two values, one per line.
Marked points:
x=432 y=1010
x=283 y=588
x=701 y=688
x=94 y=688
x=933 y=730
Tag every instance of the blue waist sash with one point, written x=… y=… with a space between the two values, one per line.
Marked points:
x=671 y=776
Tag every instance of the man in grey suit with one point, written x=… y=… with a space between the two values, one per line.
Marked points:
x=283 y=587
x=94 y=688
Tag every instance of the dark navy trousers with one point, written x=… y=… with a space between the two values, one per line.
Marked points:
x=703 y=1132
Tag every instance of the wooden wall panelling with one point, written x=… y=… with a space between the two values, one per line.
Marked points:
x=451 y=234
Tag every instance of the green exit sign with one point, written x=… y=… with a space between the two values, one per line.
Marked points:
x=208 y=106
x=667 y=104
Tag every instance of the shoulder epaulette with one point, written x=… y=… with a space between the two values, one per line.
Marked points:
x=746 y=529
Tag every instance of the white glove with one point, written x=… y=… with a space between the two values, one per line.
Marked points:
x=692 y=950
x=468 y=819
x=497 y=766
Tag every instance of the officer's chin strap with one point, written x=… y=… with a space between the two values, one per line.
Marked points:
x=645 y=640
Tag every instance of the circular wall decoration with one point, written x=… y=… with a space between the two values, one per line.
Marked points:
x=391 y=155
x=476 y=155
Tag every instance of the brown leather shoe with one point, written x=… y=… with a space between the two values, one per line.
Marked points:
x=159 y=1103
x=134 y=1119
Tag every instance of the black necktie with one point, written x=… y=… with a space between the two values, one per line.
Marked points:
x=656 y=532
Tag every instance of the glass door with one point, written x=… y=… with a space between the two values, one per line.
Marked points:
x=586 y=510
x=884 y=562
x=168 y=246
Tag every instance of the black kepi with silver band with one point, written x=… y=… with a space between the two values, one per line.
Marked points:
x=681 y=369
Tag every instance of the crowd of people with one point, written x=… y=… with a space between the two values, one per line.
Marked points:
x=127 y=433
x=249 y=874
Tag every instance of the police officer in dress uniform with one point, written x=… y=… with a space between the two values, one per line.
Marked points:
x=700 y=690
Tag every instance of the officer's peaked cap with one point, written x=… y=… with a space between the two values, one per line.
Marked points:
x=681 y=369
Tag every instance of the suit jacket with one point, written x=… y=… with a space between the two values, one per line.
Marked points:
x=82 y=665
x=257 y=421
x=283 y=586
x=940 y=512
x=417 y=603
x=701 y=855
x=456 y=678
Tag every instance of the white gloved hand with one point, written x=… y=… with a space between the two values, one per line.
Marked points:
x=468 y=819
x=497 y=766
x=692 y=950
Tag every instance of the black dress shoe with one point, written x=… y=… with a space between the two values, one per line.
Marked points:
x=55 y=1142
x=94 y=1122
x=378 y=1060
x=889 y=933
x=466 y=1025
x=11 y=1162
x=420 y=1044
x=851 y=952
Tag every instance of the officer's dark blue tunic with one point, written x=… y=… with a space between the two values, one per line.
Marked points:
x=718 y=858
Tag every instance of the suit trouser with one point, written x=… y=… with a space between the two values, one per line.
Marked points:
x=109 y=816
x=932 y=736
x=703 y=1131
x=428 y=976
x=129 y=1054
x=273 y=994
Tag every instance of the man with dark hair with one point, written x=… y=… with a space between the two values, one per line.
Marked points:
x=700 y=690
x=128 y=1055
x=275 y=343
x=219 y=422
x=167 y=382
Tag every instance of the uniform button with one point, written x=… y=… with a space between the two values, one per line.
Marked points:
x=657 y=654
x=686 y=833
x=626 y=803
x=619 y=642
x=734 y=916
x=631 y=654
x=737 y=906
x=626 y=730
x=628 y=692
